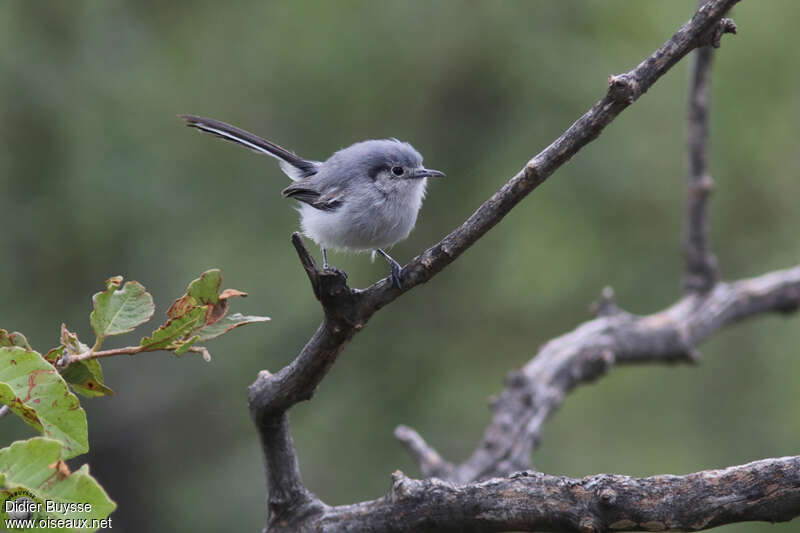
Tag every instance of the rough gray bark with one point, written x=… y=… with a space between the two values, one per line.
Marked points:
x=767 y=490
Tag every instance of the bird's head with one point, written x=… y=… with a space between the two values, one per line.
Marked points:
x=388 y=162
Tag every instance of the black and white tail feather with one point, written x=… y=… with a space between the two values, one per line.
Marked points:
x=300 y=170
x=292 y=164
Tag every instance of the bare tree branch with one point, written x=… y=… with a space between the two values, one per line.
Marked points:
x=534 y=392
x=701 y=265
x=273 y=394
x=346 y=310
x=430 y=462
x=289 y=501
x=767 y=490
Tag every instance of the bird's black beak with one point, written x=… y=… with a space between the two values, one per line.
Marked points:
x=427 y=173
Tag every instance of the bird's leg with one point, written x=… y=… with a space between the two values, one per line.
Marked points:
x=328 y=269
x=396 y=268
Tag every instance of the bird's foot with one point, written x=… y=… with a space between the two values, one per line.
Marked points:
x=334 y=270
x=396 y=269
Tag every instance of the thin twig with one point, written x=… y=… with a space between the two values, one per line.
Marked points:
x=128 y=350
x=428 y=459
x=86 y=356
x=701 y=265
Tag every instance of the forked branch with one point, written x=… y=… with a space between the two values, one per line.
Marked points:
x=767 y=490
x=347 y=310
x=534 y=392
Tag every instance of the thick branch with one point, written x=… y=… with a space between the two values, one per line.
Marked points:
x=534 y=392
x=274 y=394
x=289 y=501
x=767 y=490
x=701 y=265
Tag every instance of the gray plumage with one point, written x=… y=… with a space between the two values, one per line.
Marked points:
x=365 y=197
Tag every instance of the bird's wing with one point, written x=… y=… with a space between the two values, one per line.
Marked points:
x=292 y=164
x=305 y=192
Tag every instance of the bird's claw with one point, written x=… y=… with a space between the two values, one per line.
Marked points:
x=396 y=269
x=334 y=270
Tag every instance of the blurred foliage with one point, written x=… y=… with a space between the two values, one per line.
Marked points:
x=99 y=176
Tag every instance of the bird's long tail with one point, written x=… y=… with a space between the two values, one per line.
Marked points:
x=292 y=164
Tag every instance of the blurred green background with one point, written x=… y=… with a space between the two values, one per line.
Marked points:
x=100 y=178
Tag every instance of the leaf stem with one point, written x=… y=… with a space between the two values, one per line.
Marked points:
x=97 y=343
x=129 y=350
x=92 y=354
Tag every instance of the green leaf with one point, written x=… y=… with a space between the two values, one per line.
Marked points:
x=14 y=339
x=201 y=291
x=175 y=330
x=33 y=389
x=86 y=378
x=182 y=347
x=54 y=354
x=205 y=289
x=198 y=315
x=35 y=469
x=118 y=311
x=226 y=324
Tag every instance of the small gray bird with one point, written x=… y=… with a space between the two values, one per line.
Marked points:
x=365 y=197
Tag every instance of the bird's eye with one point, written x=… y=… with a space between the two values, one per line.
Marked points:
x=397 y=171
